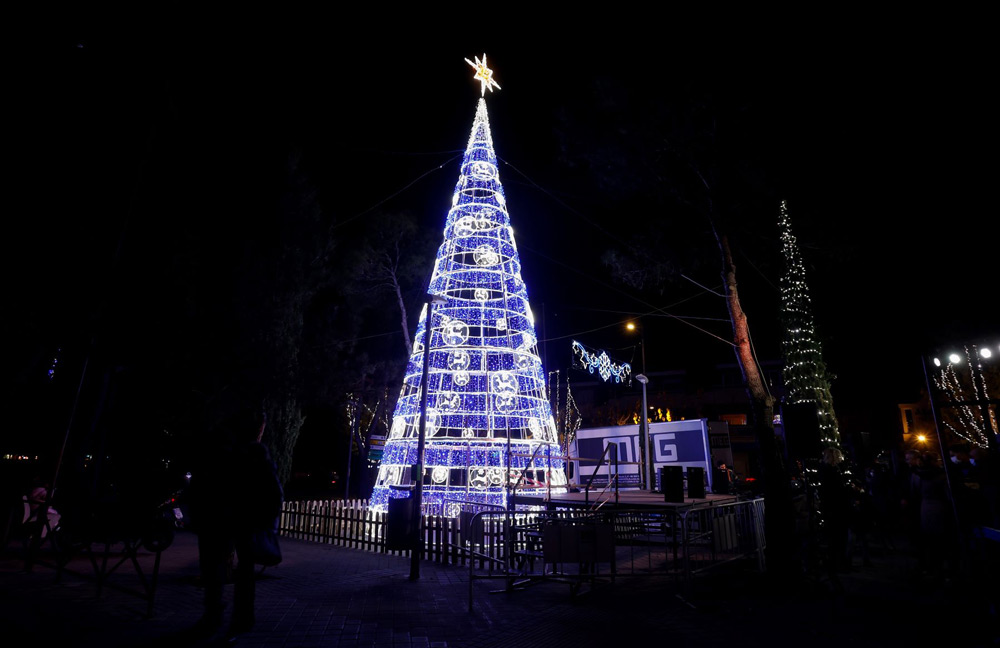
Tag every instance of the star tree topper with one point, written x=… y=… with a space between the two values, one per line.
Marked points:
x=484 y=74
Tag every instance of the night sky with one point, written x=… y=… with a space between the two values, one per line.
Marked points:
x=878 y=136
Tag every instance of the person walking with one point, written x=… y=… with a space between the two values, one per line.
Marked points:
x=234 y=493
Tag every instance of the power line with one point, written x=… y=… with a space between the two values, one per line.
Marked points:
x=393 y=195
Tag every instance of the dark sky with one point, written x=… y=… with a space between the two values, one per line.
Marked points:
x=877 y=135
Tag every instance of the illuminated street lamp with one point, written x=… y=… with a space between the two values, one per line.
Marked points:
x=952 y=395
x=632 y=326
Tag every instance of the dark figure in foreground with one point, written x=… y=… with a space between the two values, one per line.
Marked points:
x=835 y=495
x=234 y=493
x=938 y=532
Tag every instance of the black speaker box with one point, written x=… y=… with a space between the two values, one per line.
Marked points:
x=672 y=484
x=696 y=482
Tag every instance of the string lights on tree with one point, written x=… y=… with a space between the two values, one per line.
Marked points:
x=489 y=425
x=966 y=422
x=807 y=379
x=568 y=417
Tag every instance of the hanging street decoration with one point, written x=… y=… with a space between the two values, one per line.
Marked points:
x=601 y=363
x=807 y=379
x=489 y=425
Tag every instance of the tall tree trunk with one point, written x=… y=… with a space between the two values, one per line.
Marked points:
x=779 y=522
x=402 y=313
x=284 y=422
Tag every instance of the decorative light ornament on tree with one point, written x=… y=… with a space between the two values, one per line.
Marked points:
x=489 y=421
x=807 y=379
x=484 y=75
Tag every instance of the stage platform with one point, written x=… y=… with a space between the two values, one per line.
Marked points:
x=631 y=498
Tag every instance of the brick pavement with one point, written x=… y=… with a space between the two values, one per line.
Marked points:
x=332 y=596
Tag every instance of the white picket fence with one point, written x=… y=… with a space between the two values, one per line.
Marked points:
x=350 y=523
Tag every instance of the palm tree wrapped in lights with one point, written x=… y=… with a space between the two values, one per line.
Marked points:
x=807 y=379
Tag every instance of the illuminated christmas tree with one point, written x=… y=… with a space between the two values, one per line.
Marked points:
x=806 y=377
x=489 y=425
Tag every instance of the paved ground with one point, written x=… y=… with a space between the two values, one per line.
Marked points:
x=331 y=596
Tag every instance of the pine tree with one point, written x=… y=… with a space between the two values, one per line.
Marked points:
x=489 y=423
x=807 y=379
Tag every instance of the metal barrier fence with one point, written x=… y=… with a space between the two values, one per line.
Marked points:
x=569 y=545
x=584 y=547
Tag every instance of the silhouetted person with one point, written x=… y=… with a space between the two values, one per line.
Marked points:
x=722 y=481
x=37 y=498
x=937 y=517
x=984 y=476
x=234 y=492
x=835 y=504
x=909 y=499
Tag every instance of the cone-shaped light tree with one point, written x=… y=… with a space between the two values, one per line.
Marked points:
x=807 y=379
x=489 y=426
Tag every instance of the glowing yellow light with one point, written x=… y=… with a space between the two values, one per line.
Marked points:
x=630 y=326
x=921 y=438
x=484 y=75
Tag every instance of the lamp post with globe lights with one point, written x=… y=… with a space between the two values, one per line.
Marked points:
x=953 y=395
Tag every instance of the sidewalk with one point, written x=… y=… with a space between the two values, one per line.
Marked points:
x=332 y=596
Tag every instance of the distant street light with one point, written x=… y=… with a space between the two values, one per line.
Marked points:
x=632 y=326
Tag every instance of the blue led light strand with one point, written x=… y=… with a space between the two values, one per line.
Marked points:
x=488 y=407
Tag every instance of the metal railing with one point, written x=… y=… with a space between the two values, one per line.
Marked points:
x=569 y=545
x=611 y=479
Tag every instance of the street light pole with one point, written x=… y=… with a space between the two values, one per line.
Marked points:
x=642 y=348
x=418 y=470
x=645 y=458
x=644 y=450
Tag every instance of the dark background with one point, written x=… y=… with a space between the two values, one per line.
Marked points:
x=136 y=149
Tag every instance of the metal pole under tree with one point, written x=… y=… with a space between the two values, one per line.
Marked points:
x=355 y=406
x=418 y=470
